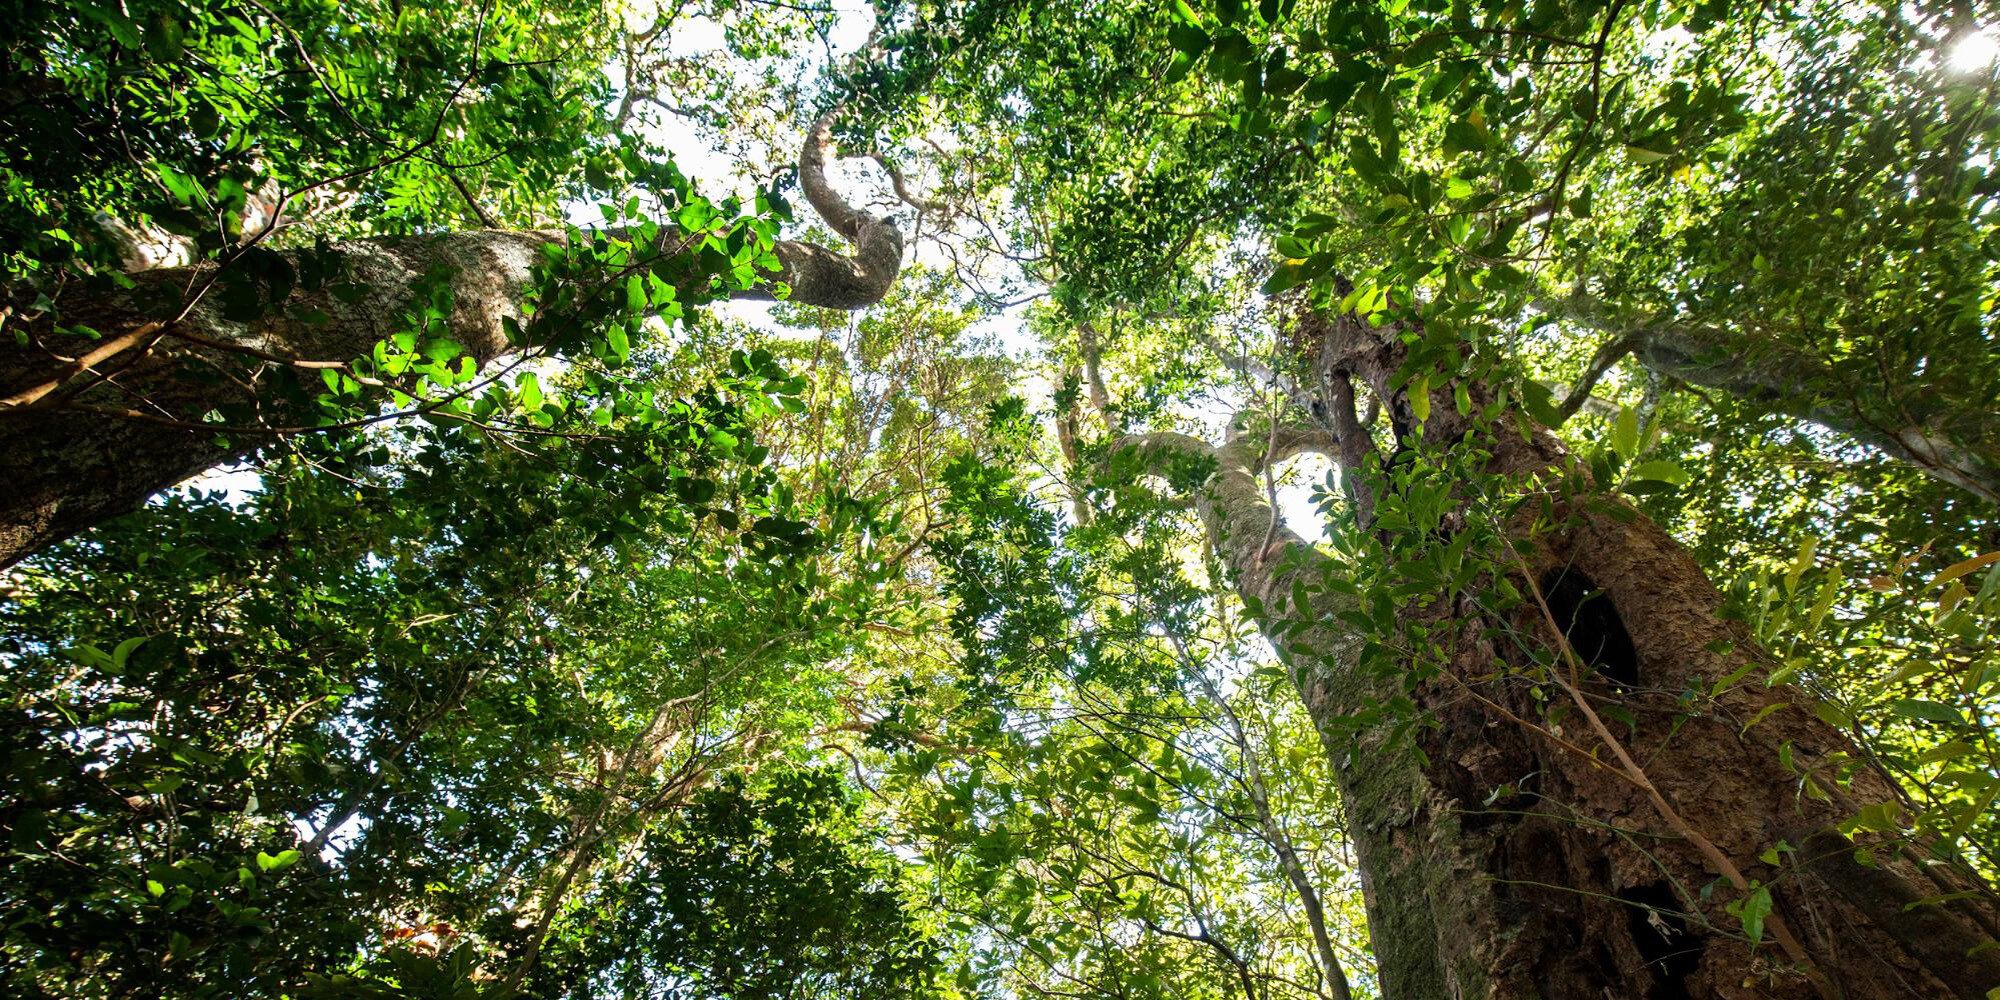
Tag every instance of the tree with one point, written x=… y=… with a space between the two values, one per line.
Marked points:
x=391 y=714
x=1587 y=304
x=1438 y=202
x=1553 y=883
x=190 y=367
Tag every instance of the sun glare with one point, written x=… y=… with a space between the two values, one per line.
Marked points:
x=1976 y=51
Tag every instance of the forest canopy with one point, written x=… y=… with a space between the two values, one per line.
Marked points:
x=951 y=499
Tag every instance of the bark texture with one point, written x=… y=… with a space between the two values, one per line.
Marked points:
x=1504 y=852
x=91 y=429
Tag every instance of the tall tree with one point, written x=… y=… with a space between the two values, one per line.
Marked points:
x=1514 y=841
x=523 y=669
x=1458 y=151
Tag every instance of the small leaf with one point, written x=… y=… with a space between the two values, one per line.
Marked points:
x=277 y=862
x=1752 y=910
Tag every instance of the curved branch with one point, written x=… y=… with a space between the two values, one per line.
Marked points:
x=901 y=185
x=1579 y=394
x=820 y=276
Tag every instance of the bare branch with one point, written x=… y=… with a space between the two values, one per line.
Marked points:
x=1608 y=355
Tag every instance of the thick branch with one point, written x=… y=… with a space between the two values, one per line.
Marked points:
x=171 y=349
x=1960 y=446
x=823 y=277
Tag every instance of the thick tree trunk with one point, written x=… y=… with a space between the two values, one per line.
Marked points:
x=1506 y=852
x=73 y=458
x=90 y=429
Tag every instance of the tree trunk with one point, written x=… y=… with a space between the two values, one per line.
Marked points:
x=1505 y=849
x=89 y=437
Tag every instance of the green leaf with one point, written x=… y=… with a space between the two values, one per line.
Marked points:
x=1660 y=471
x=443 y=349
x=1463 y=137
x=1188 y=39
x=164 y=38
x=1625 y=432
x=1284 y=277
x=1925 y=710
x=123 y=653
x=1752 y=909
x=1540 y=404
x=277 y=862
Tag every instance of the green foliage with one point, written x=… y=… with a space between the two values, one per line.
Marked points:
x=765 y=892
x=205 y=119
x=565 y=676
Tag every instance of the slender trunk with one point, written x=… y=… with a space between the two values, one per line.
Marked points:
x=90 y=428
x=615 y=813
x=1274 y=833
x=1505 y=849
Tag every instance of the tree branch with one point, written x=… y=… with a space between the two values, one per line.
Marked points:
x=1608 y=355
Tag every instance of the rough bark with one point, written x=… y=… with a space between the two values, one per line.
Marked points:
x=87 y=437
x=1504 y=852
